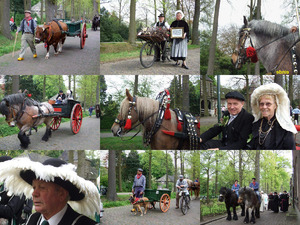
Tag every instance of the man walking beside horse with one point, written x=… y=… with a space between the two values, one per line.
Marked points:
x=27 y=26
x=139 y=185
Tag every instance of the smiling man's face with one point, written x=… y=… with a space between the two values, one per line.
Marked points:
x=48 y=198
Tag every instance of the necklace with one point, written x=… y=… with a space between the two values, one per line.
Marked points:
x=263 y=134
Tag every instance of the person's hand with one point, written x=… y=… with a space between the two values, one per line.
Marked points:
x=233 y=190
x=200 y=140
x=141 y=192
x=184 y=35
x=132 y=191
x=17 y=33
x=213 y=149
x=293 y=29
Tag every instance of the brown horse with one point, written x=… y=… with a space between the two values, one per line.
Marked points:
x=144 y=111
x=194 y=187
x=52 y=34
x=20 y=110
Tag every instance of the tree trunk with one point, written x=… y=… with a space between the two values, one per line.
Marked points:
x=175 y=168
x=111 y=193
x=44 y=88
x=247 y=93
x=71 y=156
x=98 y=91
x=205 y=95
x=240 y=167
x=72 y=9
x=15 y=83
x=120 y=169
x=257 y=167
x=207 y=185
x=258 y=17
x=81 y=164
x=27 y=4
x=213 y=43
x=178 y=5
x=167 y=171
x=185 y=90
x=217 y=173
x=195 y=34
x=95 y=3
x=136 y=84
x=74 y=87
x=182 y=162
x=261 y=79
x=42 y=11
x=132 y=28
x=155 y=13
x=4 y=19
x=278 y=80
x=150 y=170
x=70 y=81
x=291 y=96
x=51 y=9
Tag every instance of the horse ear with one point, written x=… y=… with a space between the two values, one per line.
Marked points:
x=128 y=95
x=245 y=21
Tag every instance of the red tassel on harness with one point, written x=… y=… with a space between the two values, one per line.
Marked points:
x=251 y=53
x=167 y=112
x=128 y=124
x=198 y=125
x=179 y=126
x=171 y=133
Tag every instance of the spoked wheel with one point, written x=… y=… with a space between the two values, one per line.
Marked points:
x=167 y=51
x=55 y=123
x=76 y=118
x=164 y=203
x=184 y=205
x=83 y=36
x=147 y=54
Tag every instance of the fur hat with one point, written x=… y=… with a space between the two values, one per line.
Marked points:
x=18 y=174
x=179 y=11
x=283 y=105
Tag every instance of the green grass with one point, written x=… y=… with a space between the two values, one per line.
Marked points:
x=6 y=45
x=213 y=208
x=122 y=50
x=116 y=143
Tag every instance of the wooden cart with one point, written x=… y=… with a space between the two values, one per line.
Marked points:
x=161 y=196
x=75 y=29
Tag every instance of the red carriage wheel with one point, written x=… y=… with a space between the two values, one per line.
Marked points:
x=76 y=118
x=83 y=36
x=55 y=123
x=164 y=203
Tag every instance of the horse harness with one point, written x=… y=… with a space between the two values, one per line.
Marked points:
x=292 y=48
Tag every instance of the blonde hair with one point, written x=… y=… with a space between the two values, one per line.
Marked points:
x=268 y=96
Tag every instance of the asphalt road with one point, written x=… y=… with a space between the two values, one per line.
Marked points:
x=267 y=217
x=72 y=59
x=133 y=66
x=88 y=138
x=122 y=215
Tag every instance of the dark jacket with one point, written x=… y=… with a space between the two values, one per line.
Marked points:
x=181 y=23
x=67 y=219
x=279 y=138
x=11 y=206
x=62 y=97
x=235 y=135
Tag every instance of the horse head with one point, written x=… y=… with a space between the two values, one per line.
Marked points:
x=223 y=193
x=127 y=116
x=239 y=57
x=42 y=33
x=9 y=112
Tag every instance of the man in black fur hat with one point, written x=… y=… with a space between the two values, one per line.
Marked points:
x=56 y=187
x=235 y=128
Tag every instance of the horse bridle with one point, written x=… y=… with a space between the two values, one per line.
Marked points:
x=242 y=58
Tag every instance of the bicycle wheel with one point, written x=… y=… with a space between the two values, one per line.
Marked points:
x=183 y=205
x=147 y=54
x=167 y=51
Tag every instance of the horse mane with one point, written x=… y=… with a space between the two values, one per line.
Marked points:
x=18 y=98
x=270 y=29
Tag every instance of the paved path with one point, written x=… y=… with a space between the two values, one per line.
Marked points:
x=267 y=217
x=133 y=66
x=72 y=59
x=122 y=215
x=88 y=138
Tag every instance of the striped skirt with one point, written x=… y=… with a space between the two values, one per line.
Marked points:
x=179 y=49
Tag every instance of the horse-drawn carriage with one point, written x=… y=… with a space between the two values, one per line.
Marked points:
x=75 y=30
x=154 y=37
x=72 y=110
x=161 y=196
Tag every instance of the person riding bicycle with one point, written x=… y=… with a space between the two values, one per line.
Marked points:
x=161 y=24
x=181 y=185
x=255 y=187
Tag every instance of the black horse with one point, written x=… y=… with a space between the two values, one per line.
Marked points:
x=96 y=22
x=231 y=200
x=249 y=197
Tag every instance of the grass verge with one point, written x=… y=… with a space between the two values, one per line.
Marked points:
x=7 y=46
x=116 y=143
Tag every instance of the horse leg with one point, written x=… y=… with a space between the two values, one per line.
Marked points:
x=257 y=212
x=246 y=220
x=24 y=139
x=243 y=209
x=47 y=55
x=60 y=46
x=235 y=217
x=252 y=216
x=55 y=48
x=228 y=213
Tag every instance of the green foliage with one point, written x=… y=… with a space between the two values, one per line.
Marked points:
x=110 y=28
x=86 y=90
x=7 y=45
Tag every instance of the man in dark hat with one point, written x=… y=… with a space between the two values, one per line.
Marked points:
x=10 y=206
x=181 y=185
x=56 y=186
x=60 y=97
x=276 y=203
x=235 y=128
x=161 y=24
x=284 y=202
x=27 y=26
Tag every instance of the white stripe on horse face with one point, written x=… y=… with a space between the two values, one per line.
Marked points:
x=221 y=195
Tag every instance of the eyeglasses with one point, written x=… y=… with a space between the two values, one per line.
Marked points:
x=268 y=104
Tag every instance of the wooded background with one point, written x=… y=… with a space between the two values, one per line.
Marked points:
x=122 y=19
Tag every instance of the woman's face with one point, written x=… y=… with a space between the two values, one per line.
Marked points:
x=267 y=107
x=178 y=16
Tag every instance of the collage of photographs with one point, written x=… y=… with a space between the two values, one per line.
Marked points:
x=249 y=112
x=100 y=112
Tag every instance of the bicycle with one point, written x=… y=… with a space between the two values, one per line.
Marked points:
x=185 y=201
